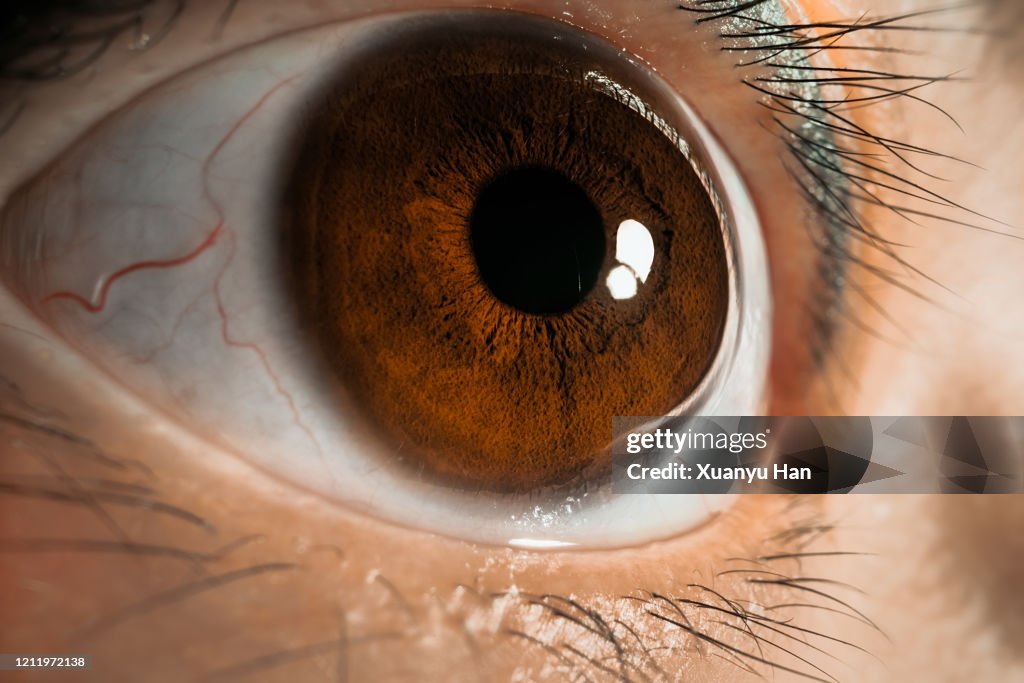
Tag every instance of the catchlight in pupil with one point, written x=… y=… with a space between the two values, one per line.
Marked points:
x=450 y=219
x=538 y=240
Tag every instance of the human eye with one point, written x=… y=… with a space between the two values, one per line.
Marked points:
x=422 y=593
x=336 y=305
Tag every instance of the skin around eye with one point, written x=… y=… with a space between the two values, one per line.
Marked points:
x=276 y=585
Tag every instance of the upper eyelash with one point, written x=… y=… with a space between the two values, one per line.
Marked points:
x=838 y=165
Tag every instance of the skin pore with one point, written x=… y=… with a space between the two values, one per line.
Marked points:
x=127 y=537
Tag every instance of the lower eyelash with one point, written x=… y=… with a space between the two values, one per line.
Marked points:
x=839 y=166
x=756 y=636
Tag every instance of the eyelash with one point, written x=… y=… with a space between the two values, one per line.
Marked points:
x=835 y=178
x=706 y=621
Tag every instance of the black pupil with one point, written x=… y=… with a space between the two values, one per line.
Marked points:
x=538 y=240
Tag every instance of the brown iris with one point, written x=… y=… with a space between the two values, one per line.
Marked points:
x=452 y=221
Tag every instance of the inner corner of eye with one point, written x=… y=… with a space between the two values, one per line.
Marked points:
x=500 y=241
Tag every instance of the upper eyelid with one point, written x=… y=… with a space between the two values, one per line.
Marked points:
x=50 y=38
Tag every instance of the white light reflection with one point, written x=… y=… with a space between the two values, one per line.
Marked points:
x=634 y=250
x=621 y=283
x=634 y=247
